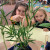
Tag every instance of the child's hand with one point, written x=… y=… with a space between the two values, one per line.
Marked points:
x=45 y=29
x=17 y=18
x=24 y=22
x=22 y=17
x=33 y=21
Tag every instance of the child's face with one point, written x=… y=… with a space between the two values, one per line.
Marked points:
x=39 y=16
x=20 y=11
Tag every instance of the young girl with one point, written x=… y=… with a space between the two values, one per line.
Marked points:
x=40 y=17
x=19 y=13
x=44 y=2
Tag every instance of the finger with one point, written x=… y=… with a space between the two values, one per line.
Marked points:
x=45 y=29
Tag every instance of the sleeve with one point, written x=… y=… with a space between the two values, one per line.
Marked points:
x=17 y=23
x=11 y=20
x=49 y=29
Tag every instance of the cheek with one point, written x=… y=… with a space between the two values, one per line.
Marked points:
x=36 y=18
x=17 y=13
x=43 y=17
x=24 y=14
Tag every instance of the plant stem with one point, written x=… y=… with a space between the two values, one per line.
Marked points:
x=4 y=42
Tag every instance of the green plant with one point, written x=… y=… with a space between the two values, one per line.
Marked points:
x=3 y=16
x=21 y=34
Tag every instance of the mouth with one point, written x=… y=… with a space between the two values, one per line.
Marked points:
x=39 y=21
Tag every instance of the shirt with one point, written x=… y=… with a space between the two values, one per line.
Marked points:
x=17 y=23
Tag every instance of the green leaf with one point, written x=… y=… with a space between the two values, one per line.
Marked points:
x=27 y=19
x=4 y=27
x=29 y=36
x=32 y=41
x=45 y=25
x=13 y=40
x=9 y=13
x=3 y=3
x=29 y=4
x=3 y=13
x=35 y=3
x=36 y=24
x=2 y=31
x=9 y=36
x=7 y=32
x=34 y=12
x=31 y=29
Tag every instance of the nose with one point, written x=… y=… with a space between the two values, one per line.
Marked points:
x=21 y=13
x=38 y=18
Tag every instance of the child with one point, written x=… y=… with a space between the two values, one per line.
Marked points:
x=44 y=2
x=40 y=0
x=40 y=17
x=19 y=12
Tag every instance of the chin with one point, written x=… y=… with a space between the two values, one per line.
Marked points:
x=40 y=22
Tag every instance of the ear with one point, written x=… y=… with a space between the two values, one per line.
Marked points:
x=45 y=18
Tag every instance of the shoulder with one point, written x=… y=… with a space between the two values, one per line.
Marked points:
x=46 y=21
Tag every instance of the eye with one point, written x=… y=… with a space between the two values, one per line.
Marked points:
x=19 y=10
x=41 y=15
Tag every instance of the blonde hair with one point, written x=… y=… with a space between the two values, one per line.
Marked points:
x=43 y=12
